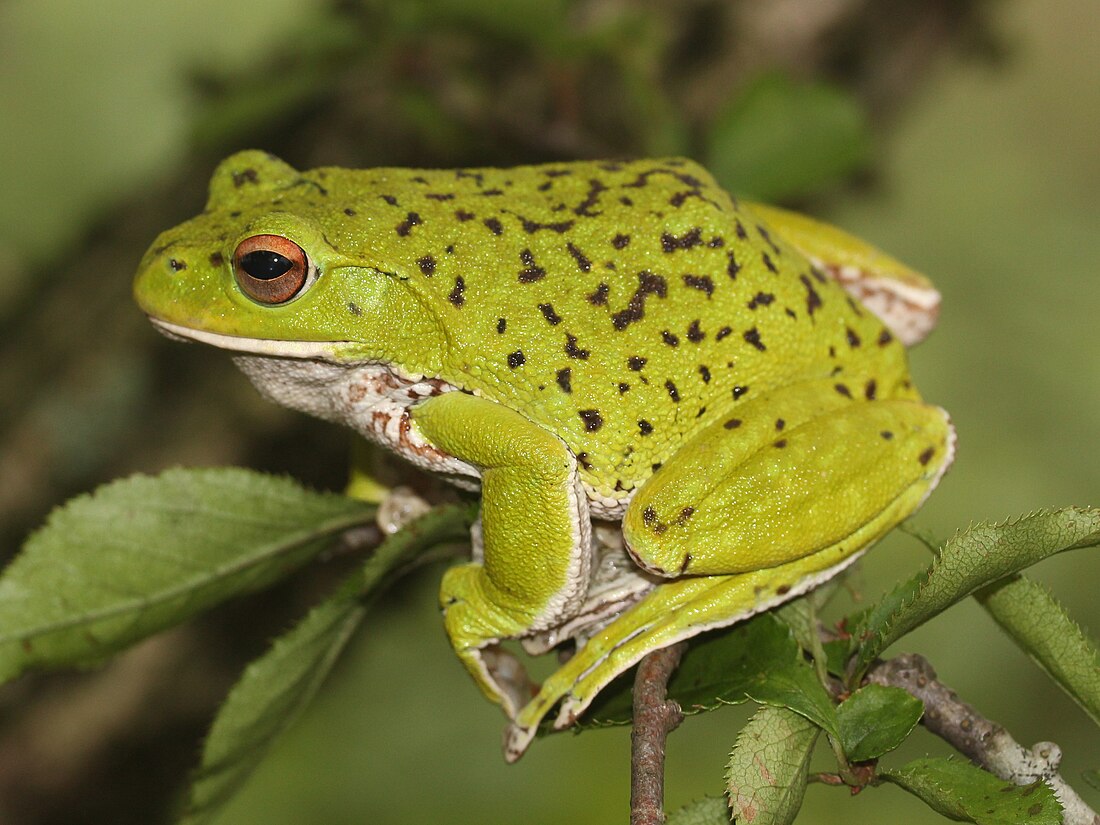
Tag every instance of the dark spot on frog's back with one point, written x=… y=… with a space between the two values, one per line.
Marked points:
x=584 y=208
x=245 y=176
x=644 y=427
x=926 y=456
x=592 y=419
x=516 y=359
x=565 y=380
x=695 y=333
x=813 y=300
x=354 y=309
x=752 y=336
x=548 y=313
x=405 y=227
x=427 y=265
x=532 y=271
x=584 y=264
x=648 y=284
x=670 y=242
x=531 y=227
x=494 y=226
x=761 y=299
x=574 y=351
x=600 y=296
x=704 y=283
x=457 y=296
x=673 y=393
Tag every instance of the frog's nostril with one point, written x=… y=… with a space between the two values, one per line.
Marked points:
x=176 y=265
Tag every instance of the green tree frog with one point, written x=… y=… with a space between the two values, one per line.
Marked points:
x=721 y=387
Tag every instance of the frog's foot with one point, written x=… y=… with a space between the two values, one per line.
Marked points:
x=476 y=625
x=676 y=611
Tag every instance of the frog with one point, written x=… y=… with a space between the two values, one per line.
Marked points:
x=680 y=408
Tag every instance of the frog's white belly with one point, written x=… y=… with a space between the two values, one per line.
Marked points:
x=372 y=399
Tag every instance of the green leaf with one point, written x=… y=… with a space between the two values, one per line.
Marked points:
x=276 y=687
x=965 y=793
x=757 y=659
x=710 y=810
x=876 y=719
x=983 y=554
x=142 y=554
x=800 y=614
x=781 y=139
x=1039 y=624
x=767 y=770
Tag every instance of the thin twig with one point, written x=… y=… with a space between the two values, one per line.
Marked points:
x=981 y=739
x=655 y=717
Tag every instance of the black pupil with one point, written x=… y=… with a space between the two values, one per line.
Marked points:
x=265 y=265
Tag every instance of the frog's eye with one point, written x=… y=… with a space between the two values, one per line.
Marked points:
x=271 y=269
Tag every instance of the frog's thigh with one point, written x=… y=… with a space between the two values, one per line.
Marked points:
x=841 y=478
x=534 y=520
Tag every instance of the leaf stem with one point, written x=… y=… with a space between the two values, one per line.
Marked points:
x=979 y=738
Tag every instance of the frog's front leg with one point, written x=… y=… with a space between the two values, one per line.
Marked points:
x=762 y=505
x=535 y=534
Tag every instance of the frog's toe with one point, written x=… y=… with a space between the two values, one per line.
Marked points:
x=517 y=738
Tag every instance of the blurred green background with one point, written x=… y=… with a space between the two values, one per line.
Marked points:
x=962 y=137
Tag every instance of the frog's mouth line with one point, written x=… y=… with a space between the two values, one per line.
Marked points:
x=325 y=350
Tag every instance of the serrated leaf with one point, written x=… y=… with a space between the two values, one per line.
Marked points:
x=965 y=793
x=781 y=138
x=276 y=687
x=1042 y=628
x=757 y=659
x=707 y=811
x=983 y=554
x=144 y=553
x=768 y=767
x=876 y=719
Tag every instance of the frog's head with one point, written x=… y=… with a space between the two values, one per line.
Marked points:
x=260 y=271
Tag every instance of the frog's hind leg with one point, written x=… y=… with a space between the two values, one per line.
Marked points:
x=903 y=299
x=678 y=610
x=760 y=506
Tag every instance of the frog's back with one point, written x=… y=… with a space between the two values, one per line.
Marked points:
x=622 y=305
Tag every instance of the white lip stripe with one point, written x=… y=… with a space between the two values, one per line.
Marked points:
x=257 y=346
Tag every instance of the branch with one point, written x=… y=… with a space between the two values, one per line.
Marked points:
x=655 y=717
x=981 y=739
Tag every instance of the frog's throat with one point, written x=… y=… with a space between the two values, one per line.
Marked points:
x=324 y=350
